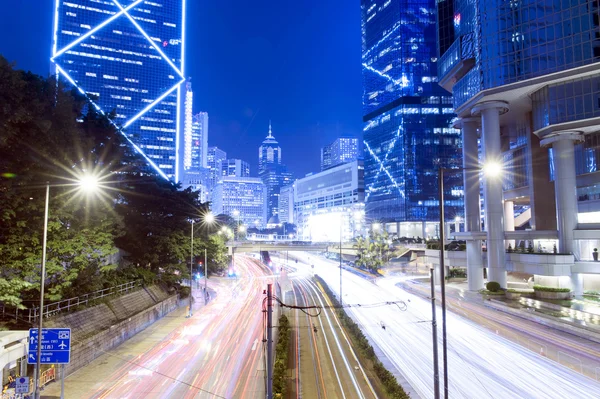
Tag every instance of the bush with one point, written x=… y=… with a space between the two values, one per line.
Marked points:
x=457 y=272
x=281 y=358
x=550 y=289
x=493 y=286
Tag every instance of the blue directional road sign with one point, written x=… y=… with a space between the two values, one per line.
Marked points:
x=55 y=345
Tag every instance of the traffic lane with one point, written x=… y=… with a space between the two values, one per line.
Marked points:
x=352 y=380
x=174 y=369
x=507 y=367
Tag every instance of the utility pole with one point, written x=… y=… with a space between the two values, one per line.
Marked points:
x=443 y=283
x=341 y=297
x=269 y=342
x=436 y=368
x=205 y=278
x=191 y=267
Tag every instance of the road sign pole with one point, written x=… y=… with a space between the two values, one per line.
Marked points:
x=62 y=381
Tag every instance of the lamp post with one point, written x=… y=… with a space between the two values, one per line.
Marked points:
x=209 y=219
x=490 y=169
x=87 y=183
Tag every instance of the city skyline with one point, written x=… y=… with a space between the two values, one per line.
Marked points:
x=241 y=102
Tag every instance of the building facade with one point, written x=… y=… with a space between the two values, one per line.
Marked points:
x=286 y=203
x=128 y=59
x=524 y=76
x=342 y=150
x=215 y=159
x=330 y=204
x=245 y=195
x=235 y=167
x=407 y=116
x=272 y=172
x=199 y=147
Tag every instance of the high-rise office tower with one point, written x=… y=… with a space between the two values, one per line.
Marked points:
x=235 y=167
x=127 y=56
x=242 y=198
x=272 y=172
x=342 y=150
x=200 y=140
x=215 y=158
x=525 y=77
x=407 y=132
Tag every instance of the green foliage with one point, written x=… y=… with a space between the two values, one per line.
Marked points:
x=389 y=382
x=281 y=358
x=138 y=227
x=373 y=251
x=457 y=273
x=493 y=286
x=550 y=289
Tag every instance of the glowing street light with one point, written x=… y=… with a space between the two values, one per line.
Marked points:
x=87 y=183
x=490 y=169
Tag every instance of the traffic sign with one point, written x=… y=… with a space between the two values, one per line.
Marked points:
x=55 y=345
x=22 y=385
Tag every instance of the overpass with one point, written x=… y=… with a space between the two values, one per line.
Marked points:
x=275 y=246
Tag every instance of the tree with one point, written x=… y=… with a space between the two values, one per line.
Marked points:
x=372 y=251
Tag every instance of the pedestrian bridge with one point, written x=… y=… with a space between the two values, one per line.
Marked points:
x=275 y=246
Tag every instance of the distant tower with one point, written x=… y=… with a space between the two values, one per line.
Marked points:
x=272 y=172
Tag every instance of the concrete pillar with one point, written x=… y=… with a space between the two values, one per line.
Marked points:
x=565 y=187
x=456 y=226
x=577 y=283
x=492 y=189
x=472 y=207
x=509 y=220
x=424 y=229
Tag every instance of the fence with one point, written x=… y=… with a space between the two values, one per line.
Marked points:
x=54 y=308
x=46 y=377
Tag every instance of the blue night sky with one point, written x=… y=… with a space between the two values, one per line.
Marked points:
x=295 y=62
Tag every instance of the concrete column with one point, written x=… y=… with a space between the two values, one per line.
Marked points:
x=398 y=229
x=577 y=283
x=472 y=208
x=509 y=220
x=565 y=187
x=424 y=229
x=492 y=189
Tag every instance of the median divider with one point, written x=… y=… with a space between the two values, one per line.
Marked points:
x=386 y=381
x=280 y=366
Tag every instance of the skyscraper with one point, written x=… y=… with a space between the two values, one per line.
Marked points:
x=342 y=150
x=128 y=58
x=272 y=172
x=215 y=158
x=524 y=76
x=407 y=132
x=235 y=167
x=245 y=195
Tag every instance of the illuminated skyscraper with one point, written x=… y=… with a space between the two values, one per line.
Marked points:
x=272 y=172
x=342 y=150
x=407 y=132
x=235 y=167
x=127 y=56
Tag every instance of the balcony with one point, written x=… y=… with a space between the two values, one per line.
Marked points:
x=542 y=264
x=456 y=62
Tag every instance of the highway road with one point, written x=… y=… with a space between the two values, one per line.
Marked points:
x=481 y=363
x=324 y=364
x=217 y=353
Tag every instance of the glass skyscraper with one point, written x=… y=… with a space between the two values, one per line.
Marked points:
x=127 y=56
x=342 y=150
x=407 y=115
x=272 y=172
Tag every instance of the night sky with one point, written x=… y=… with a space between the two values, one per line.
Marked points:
x=295 y=62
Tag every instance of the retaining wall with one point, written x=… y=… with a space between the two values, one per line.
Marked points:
x=103 y=327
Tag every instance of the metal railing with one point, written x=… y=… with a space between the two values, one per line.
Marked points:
x=54 y=308
x=46 y=377
x=65 y=305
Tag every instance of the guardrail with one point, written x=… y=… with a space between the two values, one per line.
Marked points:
x=46 y=377
x=54 y=308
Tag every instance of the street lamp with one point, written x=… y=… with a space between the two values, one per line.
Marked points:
x=191 y=266
x=209 y=219
x=87 y=183
x=489 y=169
